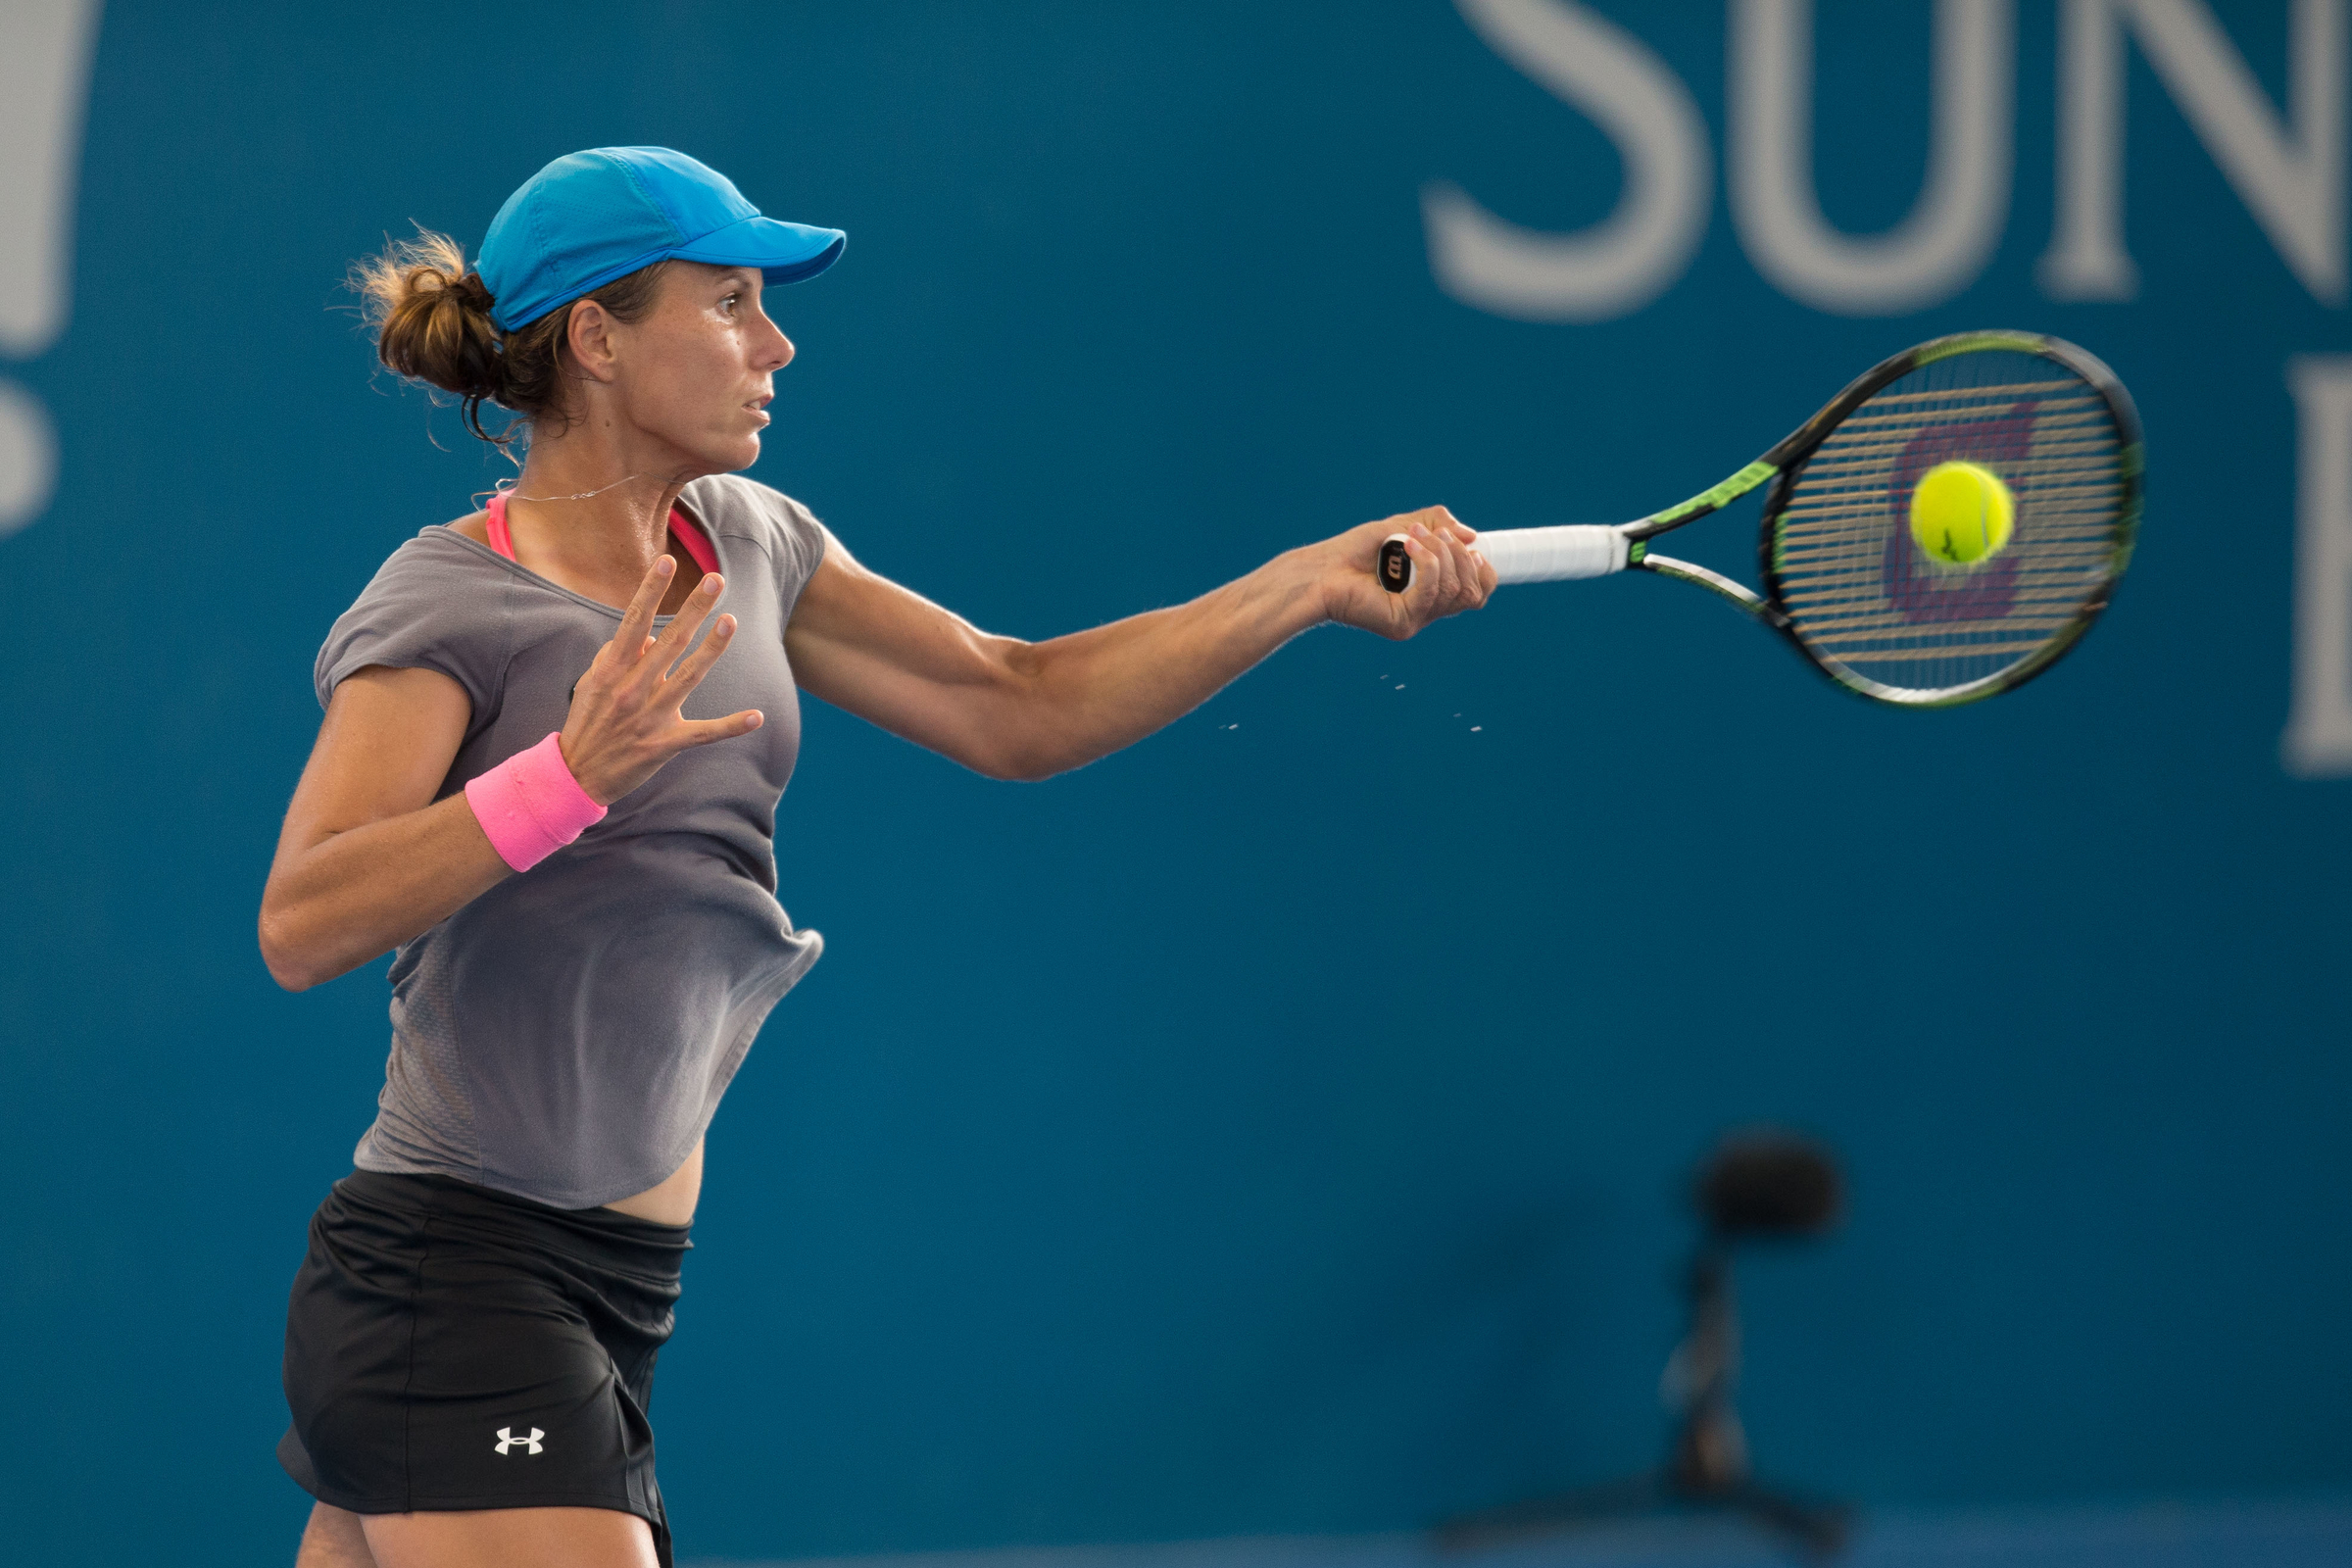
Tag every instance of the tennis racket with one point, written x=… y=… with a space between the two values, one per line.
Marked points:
x=1845 y=581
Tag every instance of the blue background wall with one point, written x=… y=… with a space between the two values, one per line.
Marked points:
x=1154 y=1154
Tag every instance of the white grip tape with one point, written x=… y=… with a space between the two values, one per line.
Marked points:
x=1552 y=555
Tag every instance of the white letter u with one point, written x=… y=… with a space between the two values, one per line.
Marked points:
x=1948 y=236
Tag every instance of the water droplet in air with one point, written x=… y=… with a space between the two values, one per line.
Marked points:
x=1475 y=728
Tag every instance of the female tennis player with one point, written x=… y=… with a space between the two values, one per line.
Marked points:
x=548 y=777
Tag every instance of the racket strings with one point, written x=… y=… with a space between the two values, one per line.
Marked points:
x=1864 y=596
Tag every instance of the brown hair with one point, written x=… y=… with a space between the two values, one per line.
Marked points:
x=432 y=319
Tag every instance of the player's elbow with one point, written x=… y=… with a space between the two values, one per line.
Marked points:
x=1026 y=748
x=1021 y=733
x=287 y=969
x=284 y=955
x=1019 y=764
x=289 y=974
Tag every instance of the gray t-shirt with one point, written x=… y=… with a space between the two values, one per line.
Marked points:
x=567 y=1036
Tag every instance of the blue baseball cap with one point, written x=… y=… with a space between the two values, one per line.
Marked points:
x=589 y=218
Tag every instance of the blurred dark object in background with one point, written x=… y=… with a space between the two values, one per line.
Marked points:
x=1760 y=1185
x=1769 y=1184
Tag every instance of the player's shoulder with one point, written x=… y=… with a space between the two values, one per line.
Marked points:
x=439 y=551
x=436 y=567
x=431 y=603
x=730 y=504
x=474 y=525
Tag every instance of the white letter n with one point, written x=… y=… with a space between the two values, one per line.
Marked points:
x=2289 y=174
x=2318 y=725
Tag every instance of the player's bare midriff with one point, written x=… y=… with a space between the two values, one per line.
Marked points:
x=671 y=1202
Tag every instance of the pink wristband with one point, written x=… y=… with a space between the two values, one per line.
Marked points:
x=530 y=805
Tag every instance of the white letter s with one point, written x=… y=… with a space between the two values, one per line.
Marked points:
x=1617 y=266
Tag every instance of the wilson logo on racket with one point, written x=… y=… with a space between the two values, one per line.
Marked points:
x=1919 y=587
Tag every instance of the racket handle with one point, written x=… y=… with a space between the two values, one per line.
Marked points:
x=1523 y=555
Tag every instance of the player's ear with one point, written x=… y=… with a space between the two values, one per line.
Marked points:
x=589 y=337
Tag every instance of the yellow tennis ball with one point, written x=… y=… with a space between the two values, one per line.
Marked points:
x=1961 y=512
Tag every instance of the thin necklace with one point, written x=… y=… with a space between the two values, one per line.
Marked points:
x=580 y=495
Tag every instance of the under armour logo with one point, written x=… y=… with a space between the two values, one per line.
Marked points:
x=507 y=1439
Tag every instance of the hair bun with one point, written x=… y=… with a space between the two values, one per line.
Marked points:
x=431 y=316
x=473 y=292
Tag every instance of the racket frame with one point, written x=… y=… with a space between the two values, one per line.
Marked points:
x=1784 y=467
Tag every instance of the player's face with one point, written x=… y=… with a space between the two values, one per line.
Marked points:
x=698 y=368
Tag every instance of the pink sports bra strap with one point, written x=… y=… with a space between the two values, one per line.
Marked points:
x=500 y=539
x=697 y=543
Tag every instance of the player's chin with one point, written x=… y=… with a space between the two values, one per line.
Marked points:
x=732 y=452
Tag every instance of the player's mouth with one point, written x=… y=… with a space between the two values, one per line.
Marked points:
x=759 y=406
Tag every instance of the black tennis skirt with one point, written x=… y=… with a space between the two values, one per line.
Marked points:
x=451 y=1348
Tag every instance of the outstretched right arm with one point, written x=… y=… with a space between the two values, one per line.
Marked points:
x=369 y=859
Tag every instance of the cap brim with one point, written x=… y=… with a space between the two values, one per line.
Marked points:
x=784 y=253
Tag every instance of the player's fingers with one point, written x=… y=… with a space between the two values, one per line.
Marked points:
x=1434 y=583
x=1471 y=570
x=695 y=665
x=637 y=620
x=1466 y=581
x=687 y=621
x=1488 y=582
x=1441 y=521
x=1460 y=585
x=703 y=731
